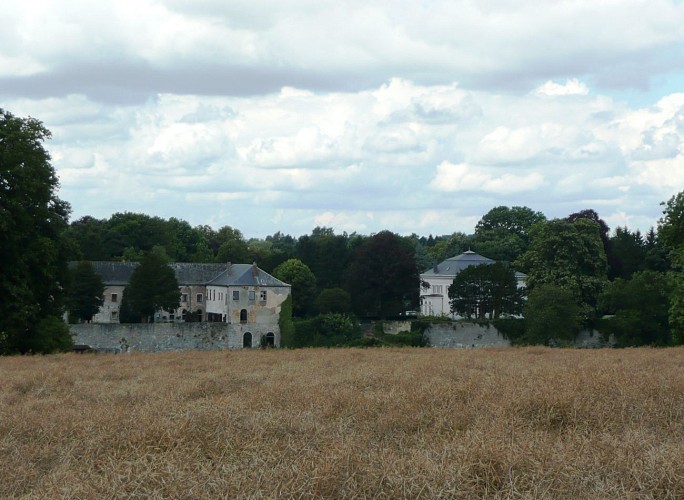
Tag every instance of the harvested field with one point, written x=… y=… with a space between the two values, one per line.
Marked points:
x=388 y=423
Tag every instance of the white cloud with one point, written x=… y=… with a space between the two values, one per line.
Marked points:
x=463 y=177
x=283 y=115
x=571 y=87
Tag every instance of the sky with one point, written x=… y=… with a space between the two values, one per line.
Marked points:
x=412 y=116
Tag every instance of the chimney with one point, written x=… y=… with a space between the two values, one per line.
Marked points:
x=228 y=265
x=255 y=269
x=435 y=269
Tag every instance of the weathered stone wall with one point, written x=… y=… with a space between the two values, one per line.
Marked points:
x=157 y=337
x=395 y=327
x=467 y=335
x=464 y=335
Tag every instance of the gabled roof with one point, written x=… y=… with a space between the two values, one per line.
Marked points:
x=454 y=265
x=245 y=275
x=190 y=273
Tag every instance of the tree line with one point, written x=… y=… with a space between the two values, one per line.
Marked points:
x=578 y=271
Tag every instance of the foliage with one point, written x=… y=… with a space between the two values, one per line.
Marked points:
x=33 y=250
x=629 y=253
x=153 y=286
x=287 y=329
x=443 y=247
x=86 y=292
x=640 y=309
x=551 y=314
x=503 y=233
x=325 y=330
x=569 y=255
x=326 y=254
x=671 y=232
x=486 y=290
x=512 y=329
x=303 y=281
x=382 y=277
x=333 y=300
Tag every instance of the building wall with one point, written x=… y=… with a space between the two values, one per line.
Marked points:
x=158 y=337
x=109 y=311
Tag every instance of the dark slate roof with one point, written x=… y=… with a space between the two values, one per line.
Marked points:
x=115 y=273
x=189 y=273
x=454 y=265
x=245 y=275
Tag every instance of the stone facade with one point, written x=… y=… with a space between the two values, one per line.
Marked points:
x=158 y=337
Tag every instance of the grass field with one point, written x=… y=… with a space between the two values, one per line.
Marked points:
x=388 y=423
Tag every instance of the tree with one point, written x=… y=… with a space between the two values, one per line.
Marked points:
x=551 y=314
x=485 y=290
x=86 y=292
x=671 y=232
x=629 y=253
x=382 y=278
x=333 y=300
x=33 y=248
x=326 y=254
x=153 y=286
x=503 y=233
x=303 y=281
x=604 y=230
x=640 y=308
x=569 y=255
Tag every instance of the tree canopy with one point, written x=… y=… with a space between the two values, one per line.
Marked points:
x=152 y=287
x=33 y=249
x=383 y=278
x=639 y=306
x=86 y=292
x=303 y=281
x=569 y=255
x=485 y=290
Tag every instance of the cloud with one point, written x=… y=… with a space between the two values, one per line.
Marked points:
x=125 y=51
x=571 y=87
x=463 y=177
x=281 y=115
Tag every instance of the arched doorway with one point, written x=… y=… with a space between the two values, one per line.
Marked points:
x=247 y=340
x=270 y=339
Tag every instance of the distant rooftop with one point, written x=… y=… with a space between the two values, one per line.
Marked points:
x=454 y=265
x=190 y=273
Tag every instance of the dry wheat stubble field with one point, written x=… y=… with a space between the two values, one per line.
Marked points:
x=385 y=423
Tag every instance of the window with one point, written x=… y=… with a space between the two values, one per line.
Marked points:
x=199 y=297
x=252 y=295
x=115 y=315
x=243 y=316
x=236 y=294
x=115 y=297
x=184 y=297
x=262 y=295
x=437 y=288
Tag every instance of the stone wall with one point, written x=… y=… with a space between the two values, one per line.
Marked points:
x=461 y=334
x=464 y=335
x=157 y=337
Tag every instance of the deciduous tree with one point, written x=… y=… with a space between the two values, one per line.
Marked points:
x=153 y=286
x=639 y=306
x=303 y=281
x=569 y=255
x=86 y=292
x=486 y=290
x=33 y=252
x=382 y=277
